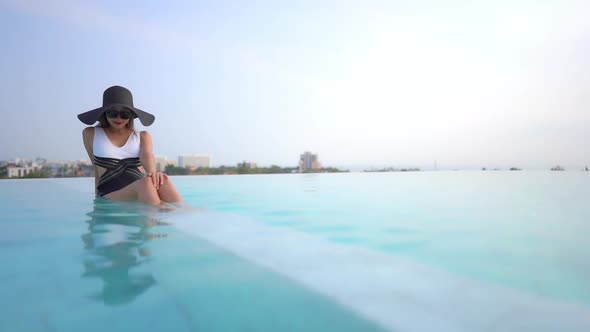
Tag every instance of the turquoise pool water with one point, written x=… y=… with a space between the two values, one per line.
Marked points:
x=445 y=251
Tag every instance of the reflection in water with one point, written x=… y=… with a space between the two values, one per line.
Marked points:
x=310 y=182
x=116 y=245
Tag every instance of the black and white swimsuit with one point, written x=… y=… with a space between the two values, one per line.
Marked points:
x=121 y=163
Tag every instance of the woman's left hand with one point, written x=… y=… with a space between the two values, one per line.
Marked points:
x=158 y=179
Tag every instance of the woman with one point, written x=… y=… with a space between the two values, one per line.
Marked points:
x=118 y=152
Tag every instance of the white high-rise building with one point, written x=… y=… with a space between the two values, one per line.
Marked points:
x=309 y=161
x=194 y=160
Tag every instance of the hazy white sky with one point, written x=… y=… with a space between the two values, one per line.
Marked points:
x=397 y=83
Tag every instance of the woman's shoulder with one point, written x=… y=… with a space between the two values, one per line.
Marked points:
x=145 y=137
x=88 y=131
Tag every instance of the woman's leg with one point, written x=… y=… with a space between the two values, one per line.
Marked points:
x=167 y=192
x=142 y=190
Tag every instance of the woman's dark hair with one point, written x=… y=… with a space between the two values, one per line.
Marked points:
x=104 y=123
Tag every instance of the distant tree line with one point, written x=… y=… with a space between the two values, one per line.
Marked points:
x=44 y=172
x=241 y=168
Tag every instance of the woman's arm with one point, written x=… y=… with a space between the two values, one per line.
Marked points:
x=88 y=138
x=146 y=157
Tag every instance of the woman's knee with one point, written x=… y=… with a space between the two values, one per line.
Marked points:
x=168 y=193
x=166 y=183
x=146 y=184
x=145 y=187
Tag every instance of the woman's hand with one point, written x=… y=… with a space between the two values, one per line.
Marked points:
x=158 y=179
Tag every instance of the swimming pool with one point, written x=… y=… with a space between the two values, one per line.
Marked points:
x=445 y=251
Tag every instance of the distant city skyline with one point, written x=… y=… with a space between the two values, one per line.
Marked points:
x=163 y=161
x=377 y=84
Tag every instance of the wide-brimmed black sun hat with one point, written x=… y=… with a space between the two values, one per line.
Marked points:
x=116 y=96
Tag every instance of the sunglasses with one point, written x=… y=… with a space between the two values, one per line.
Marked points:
x=112 y=114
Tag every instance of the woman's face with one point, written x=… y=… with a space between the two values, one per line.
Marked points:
x=118 y=117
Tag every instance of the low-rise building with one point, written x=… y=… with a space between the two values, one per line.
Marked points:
x=18 y=171
x=248 y=164
x=194 y=161
x=162 y=162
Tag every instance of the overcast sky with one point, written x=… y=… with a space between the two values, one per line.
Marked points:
x=465 y=83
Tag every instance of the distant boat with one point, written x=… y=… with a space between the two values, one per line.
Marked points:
x=557 y=168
